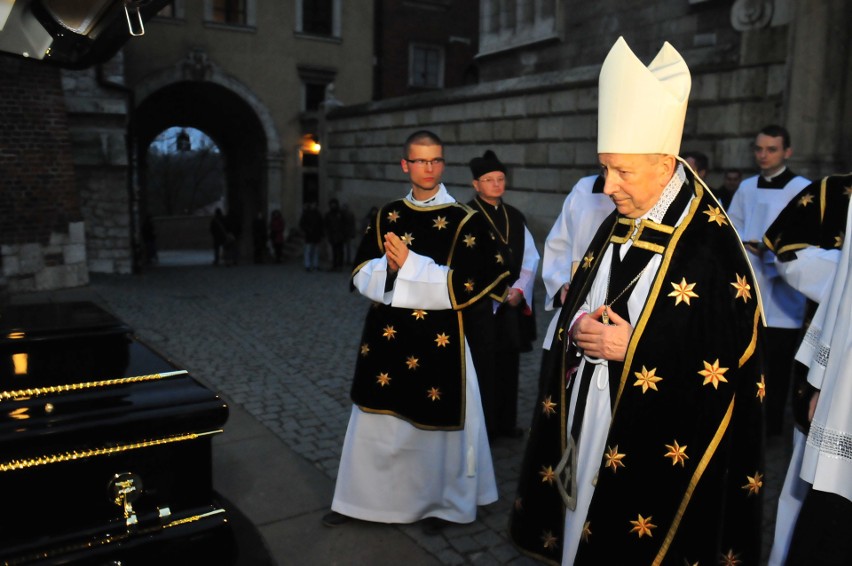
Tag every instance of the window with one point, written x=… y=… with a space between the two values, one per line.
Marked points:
x=318 y=17
x=426 y=66
x=314 y=95
x=507 y=24
x=173 y=10
x=314 y=82
x=232 y=12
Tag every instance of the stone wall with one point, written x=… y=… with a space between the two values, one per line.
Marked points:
x=42 y=236
x=543 y=127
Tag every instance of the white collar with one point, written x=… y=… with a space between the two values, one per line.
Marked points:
x=440 y=197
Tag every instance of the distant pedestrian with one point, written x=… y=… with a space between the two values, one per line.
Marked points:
x=311 y=226
x=333 y=226
x=149 y=240
x=220 y=233
x=258 y=232
x=730 y=184
x=276 y=235
x=349 y=233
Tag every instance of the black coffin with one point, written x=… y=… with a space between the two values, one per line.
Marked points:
x=105 y=446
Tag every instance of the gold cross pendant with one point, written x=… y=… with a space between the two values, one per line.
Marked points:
x=605 y=316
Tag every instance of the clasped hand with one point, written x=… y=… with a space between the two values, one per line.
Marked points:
x=396 y=251
x=599 y=340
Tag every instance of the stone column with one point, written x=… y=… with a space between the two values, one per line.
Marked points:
x=818 y=87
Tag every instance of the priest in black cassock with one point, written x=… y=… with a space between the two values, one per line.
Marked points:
x=646 y=443
x=498 y=331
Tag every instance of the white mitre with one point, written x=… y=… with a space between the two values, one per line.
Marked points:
x=642 y=109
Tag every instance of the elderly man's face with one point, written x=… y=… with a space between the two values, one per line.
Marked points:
x=635 y=182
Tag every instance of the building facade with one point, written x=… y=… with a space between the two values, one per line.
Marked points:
x=753 y=63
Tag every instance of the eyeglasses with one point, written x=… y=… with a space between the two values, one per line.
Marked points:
x=424 y=162
x=495 y=180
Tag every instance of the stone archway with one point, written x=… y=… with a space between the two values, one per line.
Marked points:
x=233 y=124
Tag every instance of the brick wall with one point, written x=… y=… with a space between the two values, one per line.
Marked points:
x=42 y=242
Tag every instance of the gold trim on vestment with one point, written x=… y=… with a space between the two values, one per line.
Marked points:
x=19 y=394
x=749 y=351
x=693 y=482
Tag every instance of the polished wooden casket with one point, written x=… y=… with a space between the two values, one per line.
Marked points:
x=105 y=446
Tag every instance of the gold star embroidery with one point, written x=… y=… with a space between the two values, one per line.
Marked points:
x=548 y=407
x=714 y=214
x=647 y=379
x=434 y=394
x=412 y=362
x=499 y=258
x=677 y=453
x=389 y=332
x=683 y=292
x=469 y=240
x=393 y=216
x=587 y=531
x=547 y=475
x=365 y=349
x=730 y=559
x=614 y=459
x=713 y=374
x=642 y=526
x=561 y=330
x=468 y=285
x=407 y=238
x=442 y=340
x=838 y=240
x=383 y=379
x=548 y=540
x=754 y=484
x=761 y=388
x=587 y=261
x=419 y=314
x=440 y=222
x=805 y=200
x=743 y=288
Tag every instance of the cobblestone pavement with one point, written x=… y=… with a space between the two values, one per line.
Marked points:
x=282 y=343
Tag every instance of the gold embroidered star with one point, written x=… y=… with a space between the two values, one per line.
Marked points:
x=743 y=288
x=548 y=540
x=383 y=379
x=561 y=330
x=365 y=349
x=548 y=407
x=547 y=475
x=754 y=484
x=642 y=526
x=469 y=240
x=713 y=374
x=389 y=332
x=677 y=453
x=442 y=340
x=440 y=222
x=419 y=314
x=714 y=214
x=761 y=388
x=412 y=362
x=468 y=285
x=730 y=559
x=407 y=238
x=647 y=379
x=434 y=394
x=683 y=291
x=499 y=258
x=805 y=200
x=614 y=458
x=393 y=216
x=587 y=261
x=838 y=240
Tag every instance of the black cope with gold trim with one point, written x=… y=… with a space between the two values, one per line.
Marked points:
x=816 y=217
x=681 y=474
x=411 y=362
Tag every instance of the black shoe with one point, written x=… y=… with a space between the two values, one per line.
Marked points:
x=334 y=519
x=433 y=525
